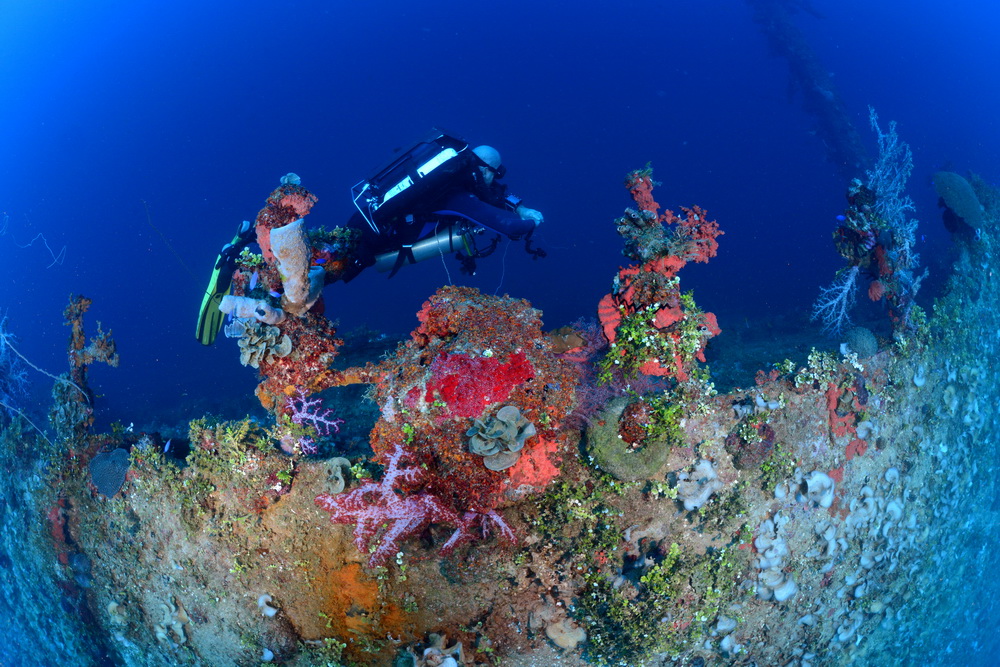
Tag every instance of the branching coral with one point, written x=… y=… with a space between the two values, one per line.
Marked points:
x=833 y=307
x=876 y=236
x=13 y=372
x=308 y=411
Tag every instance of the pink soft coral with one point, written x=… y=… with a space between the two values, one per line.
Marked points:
x=472 y=522
x=374 y=504
x=389 y=503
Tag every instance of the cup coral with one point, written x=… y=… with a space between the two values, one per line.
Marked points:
x=500 y=440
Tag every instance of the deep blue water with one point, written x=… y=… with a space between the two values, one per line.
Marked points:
x=111 y=109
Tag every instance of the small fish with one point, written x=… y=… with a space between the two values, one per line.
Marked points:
x=320 y=260
x=275 y=294
x=166 y=446
x=841 y=218
x=254 y=277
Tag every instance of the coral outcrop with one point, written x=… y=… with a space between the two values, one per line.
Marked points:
x=652 y=327
x=833 y=513
x=478 y=364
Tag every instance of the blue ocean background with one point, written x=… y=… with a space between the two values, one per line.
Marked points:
x=137 y=137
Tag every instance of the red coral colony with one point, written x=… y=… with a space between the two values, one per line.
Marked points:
x=471 y=356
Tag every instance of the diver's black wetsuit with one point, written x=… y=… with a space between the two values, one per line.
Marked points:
x=470 y=199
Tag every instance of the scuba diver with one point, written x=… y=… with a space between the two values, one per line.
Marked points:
x=209 y=316
x=435 y=198
x=432 y=199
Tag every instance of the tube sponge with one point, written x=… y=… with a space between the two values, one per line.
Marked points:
x=291 y=255
x=245 y=307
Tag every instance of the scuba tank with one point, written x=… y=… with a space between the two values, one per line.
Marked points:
x=453 y=238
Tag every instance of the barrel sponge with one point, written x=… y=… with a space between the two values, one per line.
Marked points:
x=108 y=471
x=615 y=456
x=958 y=195
x=862 y=342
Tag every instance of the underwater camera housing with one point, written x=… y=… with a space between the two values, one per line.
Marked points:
x=415 y=175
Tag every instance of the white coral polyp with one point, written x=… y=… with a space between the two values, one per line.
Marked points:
x=696 y=487
x=820 y=488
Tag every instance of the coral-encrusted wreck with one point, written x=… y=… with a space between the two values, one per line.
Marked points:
x=833 y=512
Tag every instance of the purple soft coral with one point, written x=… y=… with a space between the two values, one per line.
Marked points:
x=305 y=411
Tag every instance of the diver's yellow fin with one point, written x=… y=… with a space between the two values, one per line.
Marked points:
x=210 y=318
